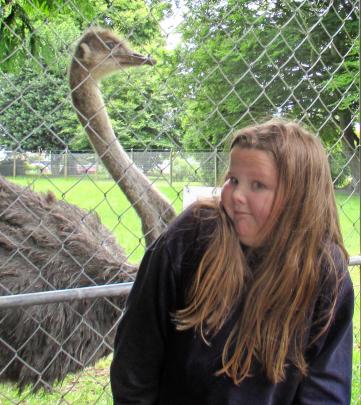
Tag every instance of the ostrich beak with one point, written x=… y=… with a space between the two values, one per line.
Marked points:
x=133 y=59
x=138 y=59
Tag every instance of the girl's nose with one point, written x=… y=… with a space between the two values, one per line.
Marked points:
x=239 y=195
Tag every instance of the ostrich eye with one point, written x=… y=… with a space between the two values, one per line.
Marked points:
x=110 y=44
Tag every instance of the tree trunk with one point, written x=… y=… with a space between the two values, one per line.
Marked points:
x=351 y=144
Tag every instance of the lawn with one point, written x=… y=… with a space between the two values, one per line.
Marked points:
x=115 y=212
x=104 y=197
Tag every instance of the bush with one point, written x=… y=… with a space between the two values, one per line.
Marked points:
x=185 y=169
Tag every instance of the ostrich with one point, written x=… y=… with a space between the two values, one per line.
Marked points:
x=47 y=244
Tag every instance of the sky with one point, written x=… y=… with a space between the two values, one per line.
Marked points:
x=169 y=25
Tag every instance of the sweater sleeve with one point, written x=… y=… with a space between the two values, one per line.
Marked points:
x=142 y=332
x=330 y=368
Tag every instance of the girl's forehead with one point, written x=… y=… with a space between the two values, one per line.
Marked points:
x=254 y=163
x=253 y=158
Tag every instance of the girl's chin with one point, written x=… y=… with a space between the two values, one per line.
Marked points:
x=247 y=240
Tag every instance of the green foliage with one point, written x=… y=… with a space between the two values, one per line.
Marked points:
x=343 y=81
x=138 y=22
x=24 y=27
x=35 y=112
x=34 y=100
x=185 y=169
x=140 y=108
x=32 y=33
x=340 y=170
x=241 y=62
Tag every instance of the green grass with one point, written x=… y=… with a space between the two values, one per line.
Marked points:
x=91 y=386
x=119 y=217
x=108 y=201
x=349 y=212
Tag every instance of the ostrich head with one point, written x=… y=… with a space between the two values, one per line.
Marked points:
x=100 y=52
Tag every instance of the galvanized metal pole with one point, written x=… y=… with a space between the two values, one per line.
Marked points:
x=14 y=163
x=66 y=162
x=216 y=167
x=355 y=261
x=171 y=166
x=75 y=294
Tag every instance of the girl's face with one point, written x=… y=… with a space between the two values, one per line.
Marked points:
x=249 y=192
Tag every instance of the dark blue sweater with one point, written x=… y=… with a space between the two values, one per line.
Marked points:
x=155 y=364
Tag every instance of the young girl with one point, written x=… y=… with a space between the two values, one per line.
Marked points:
x=246 y=300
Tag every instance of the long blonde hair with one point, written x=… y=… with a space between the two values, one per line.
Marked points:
x=279 y=290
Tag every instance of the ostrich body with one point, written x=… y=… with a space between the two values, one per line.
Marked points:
x=46 y=244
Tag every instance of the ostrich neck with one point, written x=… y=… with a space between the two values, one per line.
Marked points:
x=89 y=105
x=91 y=111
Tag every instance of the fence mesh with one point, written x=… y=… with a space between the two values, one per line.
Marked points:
x=220 y=65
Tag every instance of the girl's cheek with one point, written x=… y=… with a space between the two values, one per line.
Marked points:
x=225 y=192
x=227 y=185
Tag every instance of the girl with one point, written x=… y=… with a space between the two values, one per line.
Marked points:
x=246 y=300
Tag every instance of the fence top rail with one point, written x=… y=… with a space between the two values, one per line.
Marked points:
x=74 y=294
x=354 y=261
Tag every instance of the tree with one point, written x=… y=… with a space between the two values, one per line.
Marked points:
x=244 y=61
x=31 y=31
x=24 y=31
x=142 y=111
x=35 y=112
x=34 y=100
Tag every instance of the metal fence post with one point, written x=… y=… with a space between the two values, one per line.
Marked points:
x=215 y=167
x=66 y=163
x=14 y=164
x=171 y=167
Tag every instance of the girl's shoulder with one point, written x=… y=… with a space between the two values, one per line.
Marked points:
x=197 y=220
x=334 y=267
x=189 y=232
x=334 y=306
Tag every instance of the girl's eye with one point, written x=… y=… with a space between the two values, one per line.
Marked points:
x=233 y=180
x=257 y=185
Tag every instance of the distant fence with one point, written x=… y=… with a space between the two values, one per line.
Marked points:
x=172 y=165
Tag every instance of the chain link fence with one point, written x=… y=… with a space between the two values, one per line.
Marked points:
x=199 y=167
x=220 y=65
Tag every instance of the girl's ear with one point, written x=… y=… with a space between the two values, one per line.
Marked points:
x=84 y=52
